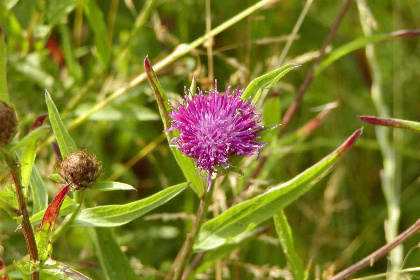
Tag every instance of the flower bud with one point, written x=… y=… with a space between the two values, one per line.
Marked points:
x=8 y=124
x=80 y=169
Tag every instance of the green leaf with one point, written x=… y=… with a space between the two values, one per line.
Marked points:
x=55 y=177
x=96 y=21
x=396 y=123
x=30 y=138
x=4 y=94
x=57 y=10
x=255 y=88
x=348 y=48
x=220 y=252
x=67 y=207
x=186 y=164
x=39 y=191
x=64 y=140
x=72 y=64
x=286 y=240
x=8 y=202
x=60 y=271
x=243 y=217
x=117 y=215
x=114 y=262
x=106 y=186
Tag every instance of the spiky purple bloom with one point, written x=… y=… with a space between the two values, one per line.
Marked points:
x=214 y=126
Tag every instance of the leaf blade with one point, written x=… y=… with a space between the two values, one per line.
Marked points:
x=245 y=216
x=106 y=186
x=117 y=215
x=266 y=81
x=186 y=164
x=113 y=261
x=64 y=140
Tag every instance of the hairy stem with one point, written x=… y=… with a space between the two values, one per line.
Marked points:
x=184 y=254
x=28 y=233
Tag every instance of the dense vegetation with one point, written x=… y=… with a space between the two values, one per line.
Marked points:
x=82 y=62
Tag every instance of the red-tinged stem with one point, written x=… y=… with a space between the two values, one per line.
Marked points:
x=26 y=224
x=310 y=76
x=397 y=123
x=372 y=258
x=184 y=254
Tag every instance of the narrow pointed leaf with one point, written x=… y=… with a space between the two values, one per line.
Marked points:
x=359 y=43
x=106 y=186
x=61 y=271
x=284 y=232
x=38 y=122
x=96 y=21
x=39 y=191
x=64 y=140
x=186 y=164
x=43 y=235
x=114 y=262
x=243 y=217
x=52 y=211
x=255 y=88
x=4 y=94
x=117 y=215
x=67 y=207
x=397 y=123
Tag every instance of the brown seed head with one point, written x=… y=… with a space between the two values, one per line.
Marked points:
x=8 y=124
x=80 y=169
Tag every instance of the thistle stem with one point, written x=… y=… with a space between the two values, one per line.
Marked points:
x=26 y=224
x=185 y=253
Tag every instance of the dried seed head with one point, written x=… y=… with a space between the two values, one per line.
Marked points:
x=80 y=169
x=8 y=124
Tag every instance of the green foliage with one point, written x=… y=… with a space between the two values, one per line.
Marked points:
x=246 y=215
x=64 y=140
x=89 y=54
x=256 y=86
x=117 y=215
x=113 y=261
x=106 y=186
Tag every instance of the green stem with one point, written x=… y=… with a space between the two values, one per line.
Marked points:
x=185 y=253
x=68 y=221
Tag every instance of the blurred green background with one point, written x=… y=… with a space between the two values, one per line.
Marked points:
x=83 y=50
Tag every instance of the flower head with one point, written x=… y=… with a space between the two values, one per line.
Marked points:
x=214 y=126
x=80 y=169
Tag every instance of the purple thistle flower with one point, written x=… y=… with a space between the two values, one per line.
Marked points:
x=214 y=126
